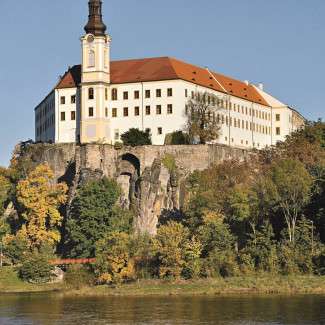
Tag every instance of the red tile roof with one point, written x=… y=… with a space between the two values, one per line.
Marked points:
x=166 y=68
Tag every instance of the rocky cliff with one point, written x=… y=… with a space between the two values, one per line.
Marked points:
x=151 y=177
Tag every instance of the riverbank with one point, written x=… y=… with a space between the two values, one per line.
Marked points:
x=257 y=284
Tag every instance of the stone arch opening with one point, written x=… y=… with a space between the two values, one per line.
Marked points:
x=128 y=172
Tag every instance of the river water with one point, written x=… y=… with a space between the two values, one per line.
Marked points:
x=50 y=309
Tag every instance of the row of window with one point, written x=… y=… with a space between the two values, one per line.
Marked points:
x=221 y=119
x=72 y=116
x=43 y=111
x=136 y=94
x=136 y=112
x=72 y=99
x=225 y=104
x=242 y=142
x=49 y=122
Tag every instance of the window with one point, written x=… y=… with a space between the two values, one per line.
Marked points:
x=125 y=111
x=136 y=94
x=277 y=117
x=62 y=116
x=169 y=109
x=114 y=94
x=158 y=92
x=158 y=109
x=73 y=116
x=278 y=131
x=125 y=95
x=90 y=111
x=73 y=99
x=91 y=61
x=62 y=100
x=91 y=93
x=114 y=112
x=106 y=112
x=147 y=94
x=147 y=110
x=148 y=130
x=159 y=131
x=170 y=92
x=116 y=134
x=136 y=110
x=106 y=94
x=186 y=93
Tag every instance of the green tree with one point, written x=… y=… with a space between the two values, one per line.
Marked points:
x=202 y=124
x=93 y=214
x=5 y=186
x=289 y=189
x=35 y=268
x=135 y=137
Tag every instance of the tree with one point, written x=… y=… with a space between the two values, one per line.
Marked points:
x=114 y=263
x=5 y=186
x=171 y=244
x=288 y=186
x=36 y=268
x=202 y=123
x=40 y=199
x=135 y=137
x=93 y=214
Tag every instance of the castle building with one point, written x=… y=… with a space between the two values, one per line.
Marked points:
x=101 y=99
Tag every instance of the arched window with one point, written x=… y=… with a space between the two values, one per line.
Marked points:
x=91 y=58
x=114 y=94
x=91 y=93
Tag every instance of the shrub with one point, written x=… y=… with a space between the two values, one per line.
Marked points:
x=15 y=248
x=114 y=263
x=118 y=145
x=135 y=137
x=35 y=268
x=78 y=276
x=170 y=245
x=177 y=138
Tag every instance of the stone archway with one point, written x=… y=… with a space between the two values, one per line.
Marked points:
x=128 y=172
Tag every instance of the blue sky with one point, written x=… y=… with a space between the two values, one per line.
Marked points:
x=280 y=43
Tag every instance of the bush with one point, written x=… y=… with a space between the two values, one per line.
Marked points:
x=118 y=145
x=220 y=263
x=177 y=138
x=135 y=137
x=15 y=248
x=114 y=263
x=36 y=269
x=78 y=276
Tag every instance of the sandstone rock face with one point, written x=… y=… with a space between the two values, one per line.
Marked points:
x=148 y=187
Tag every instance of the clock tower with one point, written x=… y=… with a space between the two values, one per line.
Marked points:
x=95 y=78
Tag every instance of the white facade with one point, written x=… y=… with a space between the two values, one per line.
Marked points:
x=243 y=123
x=92 y=107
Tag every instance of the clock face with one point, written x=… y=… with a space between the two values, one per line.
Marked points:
x=90 y=38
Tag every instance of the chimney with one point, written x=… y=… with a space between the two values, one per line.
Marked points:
x=260 y=86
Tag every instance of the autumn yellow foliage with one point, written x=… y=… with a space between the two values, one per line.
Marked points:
x=41 y=198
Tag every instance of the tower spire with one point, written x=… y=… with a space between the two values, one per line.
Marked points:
x=95 y=23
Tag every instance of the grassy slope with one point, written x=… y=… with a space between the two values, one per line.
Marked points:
x=260 y=284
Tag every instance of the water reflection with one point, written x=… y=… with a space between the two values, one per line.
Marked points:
x=50 y=309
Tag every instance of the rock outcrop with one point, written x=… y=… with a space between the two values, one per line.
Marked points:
x=149 y=187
